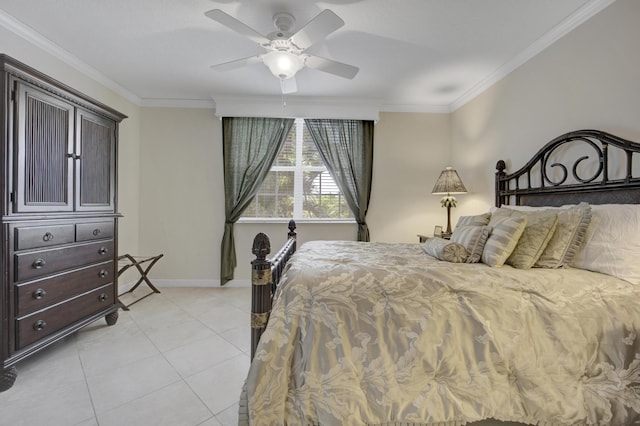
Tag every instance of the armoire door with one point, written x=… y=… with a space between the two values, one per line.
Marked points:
x=95 y=164
x=43 y=177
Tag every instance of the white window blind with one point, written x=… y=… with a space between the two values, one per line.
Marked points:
x=298 y=185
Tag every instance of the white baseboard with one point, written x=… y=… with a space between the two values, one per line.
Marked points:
x=123 y=287
x=238 y=283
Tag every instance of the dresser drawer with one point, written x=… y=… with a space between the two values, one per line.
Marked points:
x=94 y=231
x=46 y=292
x=44 y=262
x=40 y=324
x=28 y=237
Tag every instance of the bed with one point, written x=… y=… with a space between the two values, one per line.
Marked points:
x=351 y=333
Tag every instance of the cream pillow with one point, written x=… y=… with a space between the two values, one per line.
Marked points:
x=473 y=238
x=443 y=249
x=573 y=221
x=505 y=233
x=535 y=237
x=612 y=242
x=477 y=220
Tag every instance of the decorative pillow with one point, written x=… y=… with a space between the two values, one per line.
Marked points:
x=573 y=221
x=443 y=249
x=537 y=234
x=612 y=242
x=505 y=233
x=473 y=238
x=477 y=220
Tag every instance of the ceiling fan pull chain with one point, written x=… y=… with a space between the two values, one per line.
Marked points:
x=284 y=102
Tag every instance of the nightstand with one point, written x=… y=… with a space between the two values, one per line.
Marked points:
x=423 y=238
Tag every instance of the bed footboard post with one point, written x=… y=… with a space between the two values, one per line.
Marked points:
x=292 y=231
x=500 y=184
x=260 y=288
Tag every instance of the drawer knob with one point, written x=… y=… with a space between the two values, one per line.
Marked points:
x=39 y=325
x=103 y=297
x=103 y=273
x=103 y=250
x=47 y=237
x=38 y=263
x=96 y=232
x=39 y=294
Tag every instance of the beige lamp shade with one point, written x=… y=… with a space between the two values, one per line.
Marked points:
x=449 y=183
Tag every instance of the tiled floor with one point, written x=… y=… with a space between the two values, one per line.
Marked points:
x=176 y=358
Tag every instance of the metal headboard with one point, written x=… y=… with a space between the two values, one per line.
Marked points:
x=544 y=182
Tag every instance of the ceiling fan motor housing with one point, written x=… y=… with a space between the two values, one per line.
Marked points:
x=283 y=21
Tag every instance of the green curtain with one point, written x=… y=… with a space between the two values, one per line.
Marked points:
x=346 y=147
x=250 y=145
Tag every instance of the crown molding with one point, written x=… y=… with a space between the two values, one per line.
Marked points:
x=587 y=11
x=432 y=109
x=178 y=103
x=27 y=33
x=305 y=106
x=297 y=107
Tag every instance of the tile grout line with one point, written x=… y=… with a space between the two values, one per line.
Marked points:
x=86 y=381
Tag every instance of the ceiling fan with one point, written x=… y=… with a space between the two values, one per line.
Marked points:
x=285 y=50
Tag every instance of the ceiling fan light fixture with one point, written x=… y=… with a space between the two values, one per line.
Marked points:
x=283 y=65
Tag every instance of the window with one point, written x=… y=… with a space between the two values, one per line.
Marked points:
x=298 y=185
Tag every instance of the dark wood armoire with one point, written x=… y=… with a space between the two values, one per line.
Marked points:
x=59 y=214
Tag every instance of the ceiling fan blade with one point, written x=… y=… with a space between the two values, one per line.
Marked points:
x=332 y=67
x=237 y=26
x=317 y=29
x=289 y=85
x=238 y=63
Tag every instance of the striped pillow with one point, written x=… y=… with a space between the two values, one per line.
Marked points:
x=473 y=238
x=573 y=221
x=537 y=234
x=505 y=233
x=477 y=220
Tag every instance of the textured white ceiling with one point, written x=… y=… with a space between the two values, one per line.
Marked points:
x=412 y=54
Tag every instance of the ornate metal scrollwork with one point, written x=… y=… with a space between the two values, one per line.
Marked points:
x=574 y=169
x=558 y=186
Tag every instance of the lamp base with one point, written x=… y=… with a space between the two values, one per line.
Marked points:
x=448 y=232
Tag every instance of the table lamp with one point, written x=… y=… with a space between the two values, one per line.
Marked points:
x=448 y=183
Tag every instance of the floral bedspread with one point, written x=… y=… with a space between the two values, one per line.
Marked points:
x=375 y=333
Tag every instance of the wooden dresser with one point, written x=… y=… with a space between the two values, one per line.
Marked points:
x=59 y=214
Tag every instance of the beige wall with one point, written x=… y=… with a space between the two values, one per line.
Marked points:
x=182 y=193
x=587 y=79
x=410 y=151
